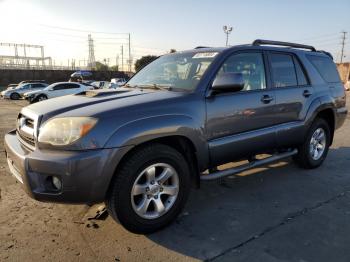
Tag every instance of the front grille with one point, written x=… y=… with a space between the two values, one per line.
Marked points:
x=26 y=130
x=26 y=139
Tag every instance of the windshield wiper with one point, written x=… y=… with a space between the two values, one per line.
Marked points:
x=153 y=86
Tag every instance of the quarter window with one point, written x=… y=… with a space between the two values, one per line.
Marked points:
x=283 y=70
x=326 y=67
x=251 y=66
x=302 y=80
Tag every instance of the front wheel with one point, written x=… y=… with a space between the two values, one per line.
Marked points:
x=150 y=189
x=314 y=150
x=41 y=98
x=15 y=96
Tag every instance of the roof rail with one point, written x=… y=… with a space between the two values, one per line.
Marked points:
x=258 y=42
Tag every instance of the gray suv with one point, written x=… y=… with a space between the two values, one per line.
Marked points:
x=141 y=147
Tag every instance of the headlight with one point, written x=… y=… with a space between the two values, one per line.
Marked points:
x=64 y=131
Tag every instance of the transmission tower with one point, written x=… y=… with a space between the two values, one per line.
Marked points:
x=91 y=59
x=342 y=46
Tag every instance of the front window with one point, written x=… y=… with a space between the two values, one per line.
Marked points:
x=180 y=71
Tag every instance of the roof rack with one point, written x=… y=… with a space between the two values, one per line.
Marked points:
x=258 y=42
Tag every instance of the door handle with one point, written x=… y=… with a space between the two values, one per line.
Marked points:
x=307 y=93
x=266 y=99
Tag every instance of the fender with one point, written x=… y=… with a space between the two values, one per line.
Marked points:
x=319 y=104
x=146 y=129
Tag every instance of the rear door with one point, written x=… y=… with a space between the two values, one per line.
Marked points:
x=294 y=95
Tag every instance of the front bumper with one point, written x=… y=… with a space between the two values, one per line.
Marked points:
x=85 y=175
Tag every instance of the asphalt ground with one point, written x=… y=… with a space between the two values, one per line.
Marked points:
x=275 y=213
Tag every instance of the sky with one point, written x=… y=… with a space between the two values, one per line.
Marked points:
x=156 y=26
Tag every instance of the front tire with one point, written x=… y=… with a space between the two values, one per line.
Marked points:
x=314 y=150
x=149 y=189
x=15 y=96
x=41 y=98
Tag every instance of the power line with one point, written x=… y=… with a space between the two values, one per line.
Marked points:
x=80 y=30
x=343 y=44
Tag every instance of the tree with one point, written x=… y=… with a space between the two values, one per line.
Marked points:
x=172 y=50
x=101 y=67
x=114 y=68
x=143 y=61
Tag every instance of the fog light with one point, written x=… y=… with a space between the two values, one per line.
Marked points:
x=56 y=183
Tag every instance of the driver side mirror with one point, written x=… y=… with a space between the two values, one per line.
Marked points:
x=228 y=82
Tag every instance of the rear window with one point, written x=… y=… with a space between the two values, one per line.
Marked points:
x=325 y=67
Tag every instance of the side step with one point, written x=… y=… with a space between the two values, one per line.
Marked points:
x=250 y=165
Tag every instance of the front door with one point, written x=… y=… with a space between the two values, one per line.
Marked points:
x=242 y=122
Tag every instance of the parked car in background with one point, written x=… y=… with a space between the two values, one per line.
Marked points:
x=32 y=81
x=100 y=84
x=56 y=90
x=117 y=82
x=19 y=90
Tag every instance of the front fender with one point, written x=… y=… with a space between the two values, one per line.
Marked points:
x=146 y=129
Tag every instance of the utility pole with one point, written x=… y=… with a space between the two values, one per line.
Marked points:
x=91 y=58
x=122 y=58
x=129 y=54
x=342 y=46
x=227 y=31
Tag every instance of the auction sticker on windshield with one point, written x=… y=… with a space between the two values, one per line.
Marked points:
x=205 y=55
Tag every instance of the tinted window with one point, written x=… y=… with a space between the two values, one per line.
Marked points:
x=58 y=87
x=70 y=86
x=302 y=80
x=37 y=85
x=283 y=70
x=250 y=65
x=325 y=67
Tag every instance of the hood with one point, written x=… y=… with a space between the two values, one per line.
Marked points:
x=99 y=103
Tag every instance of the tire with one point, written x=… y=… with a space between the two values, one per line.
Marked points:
x=305 y=158
x=15 y=96
x=41 y=98
x=122 y=204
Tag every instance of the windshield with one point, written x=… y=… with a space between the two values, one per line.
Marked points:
x=181 y=71
x=20 y=86
x=50 y=86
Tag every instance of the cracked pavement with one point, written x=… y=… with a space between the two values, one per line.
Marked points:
x=278 y=212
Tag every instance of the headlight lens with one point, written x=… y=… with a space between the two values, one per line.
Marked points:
x=64 y=131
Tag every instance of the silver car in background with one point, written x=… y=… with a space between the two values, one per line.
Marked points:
x=18 y=92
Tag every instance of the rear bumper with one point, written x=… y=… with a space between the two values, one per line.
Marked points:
x=85 y=175
x=341 y=114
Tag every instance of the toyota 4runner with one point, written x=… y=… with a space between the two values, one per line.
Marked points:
x=141 y=147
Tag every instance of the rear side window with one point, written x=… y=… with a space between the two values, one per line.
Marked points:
x=326 y=67
x=71 y=86
x=283 y=70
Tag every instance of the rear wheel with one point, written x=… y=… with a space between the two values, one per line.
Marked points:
x=15 y=96
x=150 y=189
x=314 y=150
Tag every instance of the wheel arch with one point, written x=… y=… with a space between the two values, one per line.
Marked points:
x=179 y=142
